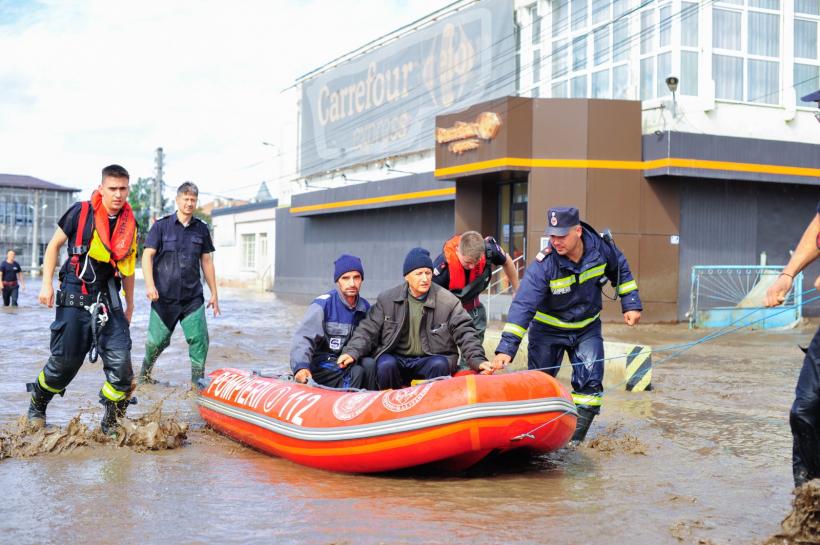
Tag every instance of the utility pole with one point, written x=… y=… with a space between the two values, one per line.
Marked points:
x=156 y=197
x=35 y=242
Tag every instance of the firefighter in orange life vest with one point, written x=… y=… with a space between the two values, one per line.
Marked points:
x=102 y=247
x=465 y=266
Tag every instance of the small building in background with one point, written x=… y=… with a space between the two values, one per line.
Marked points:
x=244 y=238
x=29 y=210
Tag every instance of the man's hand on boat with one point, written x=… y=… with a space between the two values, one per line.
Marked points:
x=500 y=362
x=302 y=376
x=489 y=367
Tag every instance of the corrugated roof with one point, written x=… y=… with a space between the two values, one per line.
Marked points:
x=30 y=182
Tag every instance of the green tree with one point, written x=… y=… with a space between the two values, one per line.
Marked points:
x=139 y=197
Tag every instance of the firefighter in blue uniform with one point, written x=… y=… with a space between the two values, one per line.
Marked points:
x=559 y=301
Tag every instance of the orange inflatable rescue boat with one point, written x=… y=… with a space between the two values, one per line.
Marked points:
x=454 y=422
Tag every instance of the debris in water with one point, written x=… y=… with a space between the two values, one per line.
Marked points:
x=802 y=525
x=612 y=441
x=152 y=432
x=682 y=530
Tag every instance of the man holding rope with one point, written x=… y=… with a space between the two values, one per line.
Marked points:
x=805 y=412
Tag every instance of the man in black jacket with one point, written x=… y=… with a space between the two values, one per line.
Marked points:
x=415 y=330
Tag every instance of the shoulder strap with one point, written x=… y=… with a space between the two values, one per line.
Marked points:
x=82 y=237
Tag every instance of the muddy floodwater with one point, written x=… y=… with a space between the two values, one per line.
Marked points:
x=702 y=458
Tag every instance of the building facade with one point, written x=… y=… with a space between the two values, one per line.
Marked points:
x=677 y=124
x=29 y=210
x=243 y=236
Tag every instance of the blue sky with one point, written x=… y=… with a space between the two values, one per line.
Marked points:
x=84 y=84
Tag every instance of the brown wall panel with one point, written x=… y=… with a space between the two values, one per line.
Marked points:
x=468 y=206
x=559 y=129
x=614 y=200
x=658 y=273
x=548 y=188
x=660 y=207
x=659 y=312
x=614 y=130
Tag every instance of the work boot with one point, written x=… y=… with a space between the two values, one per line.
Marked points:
x=113 y=411
x=585 y=417
x=39 y=401
x=196 y=376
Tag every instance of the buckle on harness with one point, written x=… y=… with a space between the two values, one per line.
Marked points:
x=77 y=250
x=72 y=299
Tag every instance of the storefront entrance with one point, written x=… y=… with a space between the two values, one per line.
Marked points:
x=512 y=217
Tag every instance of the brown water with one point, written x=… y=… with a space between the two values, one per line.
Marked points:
x=704 y=458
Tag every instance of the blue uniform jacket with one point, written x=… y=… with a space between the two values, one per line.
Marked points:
x=566 y=296
x=327 y=326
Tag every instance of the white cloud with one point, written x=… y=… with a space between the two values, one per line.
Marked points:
x=86 y=84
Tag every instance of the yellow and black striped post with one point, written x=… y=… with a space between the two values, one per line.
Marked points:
x=639 y=369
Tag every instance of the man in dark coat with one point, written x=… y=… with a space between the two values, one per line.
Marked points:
x=415 y=330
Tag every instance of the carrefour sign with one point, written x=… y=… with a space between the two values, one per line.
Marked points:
x=384 y=103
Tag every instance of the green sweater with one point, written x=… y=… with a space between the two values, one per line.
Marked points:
x=410 y=340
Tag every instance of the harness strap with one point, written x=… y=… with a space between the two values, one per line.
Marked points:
x=79 y=248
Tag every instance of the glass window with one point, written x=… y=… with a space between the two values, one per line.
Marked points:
x=536 y=26
x=559 y=90
x=763 y=82
x=579 y=14
x=665 y=26
x=620 y=40
x=579 y=53
x=805 y=39
x=728 y=75
x=579 y=87
x=601 y=45
x=647 y=31
x=560 y=51
x=249 y=251
x=600 y=84
x=647 y=78
x=806 y=80
x=560 y=16
x=764 y=34
x=600 y=11
x=619 y=7
x=263 y=247
x=536 y=66
x=809 y=7
x=766 y=4
x=726 y=29
x=664 y=70
x=689 y=24
x=620 y=81
x=688 y=73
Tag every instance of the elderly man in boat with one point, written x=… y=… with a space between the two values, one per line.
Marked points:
x=415 y=330
x=328 y=324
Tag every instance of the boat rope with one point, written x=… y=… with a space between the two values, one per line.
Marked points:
x=678 y=350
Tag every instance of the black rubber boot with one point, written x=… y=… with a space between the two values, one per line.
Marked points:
x=39 y=401
x=113 y=411
x=585 y=417
x=196 y=376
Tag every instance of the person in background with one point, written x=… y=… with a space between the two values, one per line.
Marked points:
x=12 y=275
x=465 y=267
x=177 y=247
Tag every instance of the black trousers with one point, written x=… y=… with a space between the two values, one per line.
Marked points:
x=805 y=417
x=71 y=341
x=10 y=295
x=361 y=374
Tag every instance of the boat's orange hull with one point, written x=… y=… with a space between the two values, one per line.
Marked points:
x=456 y=421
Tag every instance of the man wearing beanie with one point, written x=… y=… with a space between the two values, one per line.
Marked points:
x=327 y=326
x=415 y=330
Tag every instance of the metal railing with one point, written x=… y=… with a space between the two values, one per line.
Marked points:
x=494 y=289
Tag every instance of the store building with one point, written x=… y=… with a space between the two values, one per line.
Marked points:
x=675 y=124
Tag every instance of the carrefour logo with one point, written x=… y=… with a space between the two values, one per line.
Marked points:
x=447 y=69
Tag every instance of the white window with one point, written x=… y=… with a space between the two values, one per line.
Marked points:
x=656 y=49
x=263 y=249
x=806 y=49
x=746 y=50
x=249 y=251
x=689 y=56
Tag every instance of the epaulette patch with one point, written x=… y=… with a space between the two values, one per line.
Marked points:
x=324 y=296
x=543 y=254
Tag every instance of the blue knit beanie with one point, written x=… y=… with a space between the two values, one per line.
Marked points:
x=417 y=258
x=345 y=264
